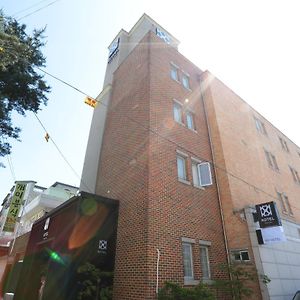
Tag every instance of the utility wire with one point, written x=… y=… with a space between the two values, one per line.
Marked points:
x=64 y=82
x=25 y=9
x=35 y=11
x=175 y=143
x=11 y=167
x=163 y=137
x=61 y=153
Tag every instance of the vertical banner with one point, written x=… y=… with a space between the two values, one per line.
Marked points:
x=14 y=208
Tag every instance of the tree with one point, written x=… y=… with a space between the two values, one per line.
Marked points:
x=240 y=282
x=22 y=89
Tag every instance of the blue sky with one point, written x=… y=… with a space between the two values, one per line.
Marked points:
x=252 y=46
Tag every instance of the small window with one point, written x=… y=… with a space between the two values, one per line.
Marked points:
x=271 y=159
x=187 y=253
x=284 y=144
x=201 y=174
x=240 y=255
x=285 y=204
x=177 y=112
x=185 y=81
x=295 y=175
x=174 y=73
x=204 y=260
x=260 y=126
x=181 y=167
x=190 y=120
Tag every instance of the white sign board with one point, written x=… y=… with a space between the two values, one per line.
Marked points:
x=273 y=235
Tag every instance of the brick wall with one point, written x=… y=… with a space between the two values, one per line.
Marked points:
x=138 y=167
x=239 y=149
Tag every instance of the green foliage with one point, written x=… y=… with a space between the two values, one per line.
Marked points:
x=239 y=286
x=21 y=87
x=172 y=291
x=90 y=281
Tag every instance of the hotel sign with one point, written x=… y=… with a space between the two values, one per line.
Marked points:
x=267 y=215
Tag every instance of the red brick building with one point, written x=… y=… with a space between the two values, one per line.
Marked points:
x=188 y=160
x=153 y=144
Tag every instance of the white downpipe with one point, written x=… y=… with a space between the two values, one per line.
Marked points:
x=157 y=270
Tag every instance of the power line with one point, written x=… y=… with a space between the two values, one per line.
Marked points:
x=165 y=138
x=61 y=153
x=35 y=11
x=64 y=82
x=11 y=167
x=175 y=143
x=25 y=9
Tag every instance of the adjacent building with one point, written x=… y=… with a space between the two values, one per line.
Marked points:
x=256 y=163
x=25 y=203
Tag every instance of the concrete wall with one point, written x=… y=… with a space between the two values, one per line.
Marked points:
x=279 y=261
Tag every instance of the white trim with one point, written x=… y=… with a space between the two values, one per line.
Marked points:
x=189 y=278
x=174 y=65
x=196 y=160
x=185 y=73
x=205 y=248
x=205 y=243
x=191 y=281
x=184 y=181
x=188 y=240
x=182 y=153
x=210 y=176
x=177 y=101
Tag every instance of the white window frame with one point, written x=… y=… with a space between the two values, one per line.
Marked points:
x=284 y=144
x=199 y=172
x=260 y=126
x=191 y=114
x=285 y=203
x=295 y=175
x=183 y=158
x=239 y=252
x=177 y=104
x=271 y=159
x=197 y=181
x=185 y=79
x=207 y=262
x=188 y=278
x=174 y=68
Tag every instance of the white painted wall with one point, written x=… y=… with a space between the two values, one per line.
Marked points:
x=280 y=261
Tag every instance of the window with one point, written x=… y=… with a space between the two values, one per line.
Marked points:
x=260 y=126
x=295 y=175
x=177 y=112
x=190 y=120
x=185 y=81
x=240 y=255
x=181 y=167
x=285 y=204
x=201 y=173
x=284 y=144
x=174 y=72
x=187 y=253
x=204 y=260
x=271 y=160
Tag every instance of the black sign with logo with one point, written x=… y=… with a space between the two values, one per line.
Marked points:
x=267 y=215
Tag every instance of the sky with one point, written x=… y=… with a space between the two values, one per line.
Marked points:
x=252 y=46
